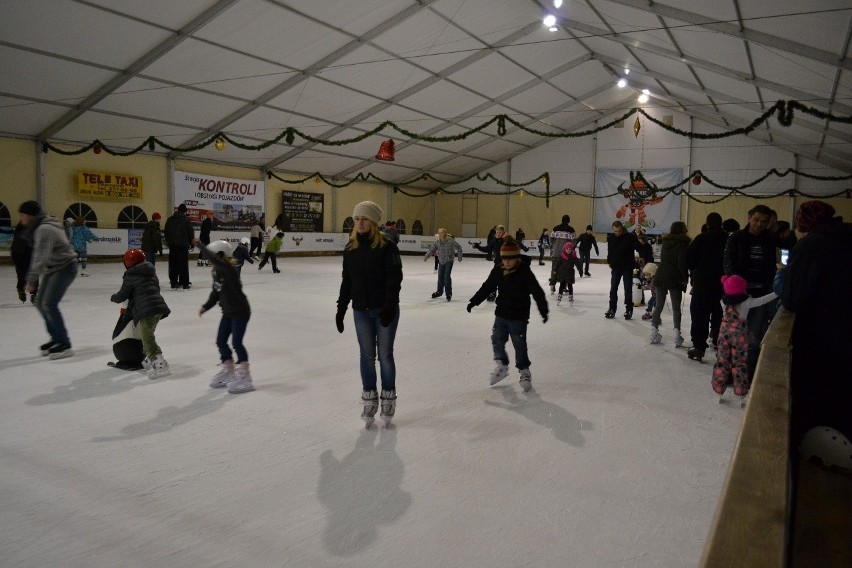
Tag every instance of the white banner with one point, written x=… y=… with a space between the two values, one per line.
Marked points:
x=636 y=203
x=235 y=203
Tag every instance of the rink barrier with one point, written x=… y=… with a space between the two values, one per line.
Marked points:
x=752 y=519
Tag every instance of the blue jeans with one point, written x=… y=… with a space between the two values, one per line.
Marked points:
x=50 y=291
x=501 y=332
x=151 y=257
x=371 y=335
x=617 y=276
x=445 y=280
x=235 y=328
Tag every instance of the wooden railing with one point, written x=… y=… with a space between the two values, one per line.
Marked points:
x=752 y=519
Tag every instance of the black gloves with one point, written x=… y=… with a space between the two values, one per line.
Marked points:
x=470 y=307
x=387 y=314
x=338 y=319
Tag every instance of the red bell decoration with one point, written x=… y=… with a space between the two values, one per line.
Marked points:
x=696 y=180
x=386 y=151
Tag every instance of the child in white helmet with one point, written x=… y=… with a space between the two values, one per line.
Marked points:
x=242 y=254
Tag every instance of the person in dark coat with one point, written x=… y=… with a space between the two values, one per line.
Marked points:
x=204 y=236
x=492 y=250
x=816 y=288
x=140 y=288
x=516 y=283
x=585 y=242
x=372 y=279
x=705 y=258
x=561 y=234
x=620 y=256
x=179 y=236
x=152 y=239
x=670 y=280
x=22 y=253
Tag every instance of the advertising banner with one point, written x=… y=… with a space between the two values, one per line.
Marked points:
x=301 y=211
x=110 y=186
x=235 y=203
x=636 y=201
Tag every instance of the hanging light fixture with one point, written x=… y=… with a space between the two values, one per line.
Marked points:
x=386 y=151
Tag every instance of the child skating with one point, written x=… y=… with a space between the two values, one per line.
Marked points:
x=140 y=288
x=228 y=293
x=80 y=237
x=515 y=282
x=732 y=351
x=565 y=272
x=271 y=253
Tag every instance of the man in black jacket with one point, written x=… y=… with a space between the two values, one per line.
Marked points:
x=620 y=256
x=179 y=235
x=704 y=258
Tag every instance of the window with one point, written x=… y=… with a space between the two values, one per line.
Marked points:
x=348 y=225
x=132 y=217
x=82 y=210
x=5 y=216
x=417 y=227
x=400 y=226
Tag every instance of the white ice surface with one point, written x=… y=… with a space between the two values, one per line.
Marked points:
x=615 y=459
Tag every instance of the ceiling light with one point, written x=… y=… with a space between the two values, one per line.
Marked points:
x=552 y=29
x=643 y=98
x=549 y=20
x=557 y=3
x=646 y=92
x=622 y=83
x=626 y=71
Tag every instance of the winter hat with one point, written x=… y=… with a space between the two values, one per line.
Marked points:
x=812 y=214
x=568 y=251
x=510 y=249
x=182 y=207
x=650 y=269
x=734 y=285
x=30 y=208
x=368 y=209
x=156 y=217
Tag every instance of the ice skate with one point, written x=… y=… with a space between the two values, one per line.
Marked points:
x=388 y=403
x=696 y=354
x=571 y=299
x=500 y=372
x=655 y=336
x=225 y=375
x=22 y=296
x=526 y=380
x=370 y=399
x=678 y=338
x=157 y=367
x=647 y=315
x=242 y=379
x=84 y=272
x=558 y=299
x=436 y=295
x=60 y=351
x=552 y=289
x=628 y=314
x=45 y=348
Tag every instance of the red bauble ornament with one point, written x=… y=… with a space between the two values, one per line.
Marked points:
x=97 y=149
x=696 y=180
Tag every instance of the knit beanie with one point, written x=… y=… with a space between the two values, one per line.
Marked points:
x=368 y=209
x=812 y=214
x=182 y=207
x=30 y=208
x=510 y=249
x=568 y=251
x=156 y=217
x=734 y=285
x=650 y=269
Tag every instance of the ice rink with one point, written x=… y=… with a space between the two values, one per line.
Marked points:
x=615 y=459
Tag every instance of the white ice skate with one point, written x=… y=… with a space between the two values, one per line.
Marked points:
x=526 y=380
x=655 y=336
x=678 y=338
x=370 y=399
x=225 y=375
x=500 y=372
x=388 y=403
x=157 y=367
x=571 y=299
x=242 y=379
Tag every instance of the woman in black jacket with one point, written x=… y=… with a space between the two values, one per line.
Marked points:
x=372 y=278
x=671 y=279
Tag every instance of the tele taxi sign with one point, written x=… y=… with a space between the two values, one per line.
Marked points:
x=116 y=186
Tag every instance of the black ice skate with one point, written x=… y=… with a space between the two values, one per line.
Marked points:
x=609 y=314
x=696 y=354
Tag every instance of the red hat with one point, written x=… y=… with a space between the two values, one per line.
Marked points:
x=510 y=249
x=156 y=217
x=734 y=285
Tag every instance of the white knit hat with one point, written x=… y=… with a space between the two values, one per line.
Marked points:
x=368 y=209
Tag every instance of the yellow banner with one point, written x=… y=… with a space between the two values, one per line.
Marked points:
x=114 y=186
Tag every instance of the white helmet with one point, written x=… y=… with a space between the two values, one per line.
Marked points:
x=829 y=445
x=221 y=246
x=245 y=241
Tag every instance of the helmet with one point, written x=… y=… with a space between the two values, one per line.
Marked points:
x=132 y=257
x=221 y=246
x=245 y=241
x=829 y=445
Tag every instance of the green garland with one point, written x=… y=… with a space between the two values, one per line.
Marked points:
x=784 y=110
x=676 y=189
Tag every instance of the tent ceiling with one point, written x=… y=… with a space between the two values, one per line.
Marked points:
x=72 y=71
